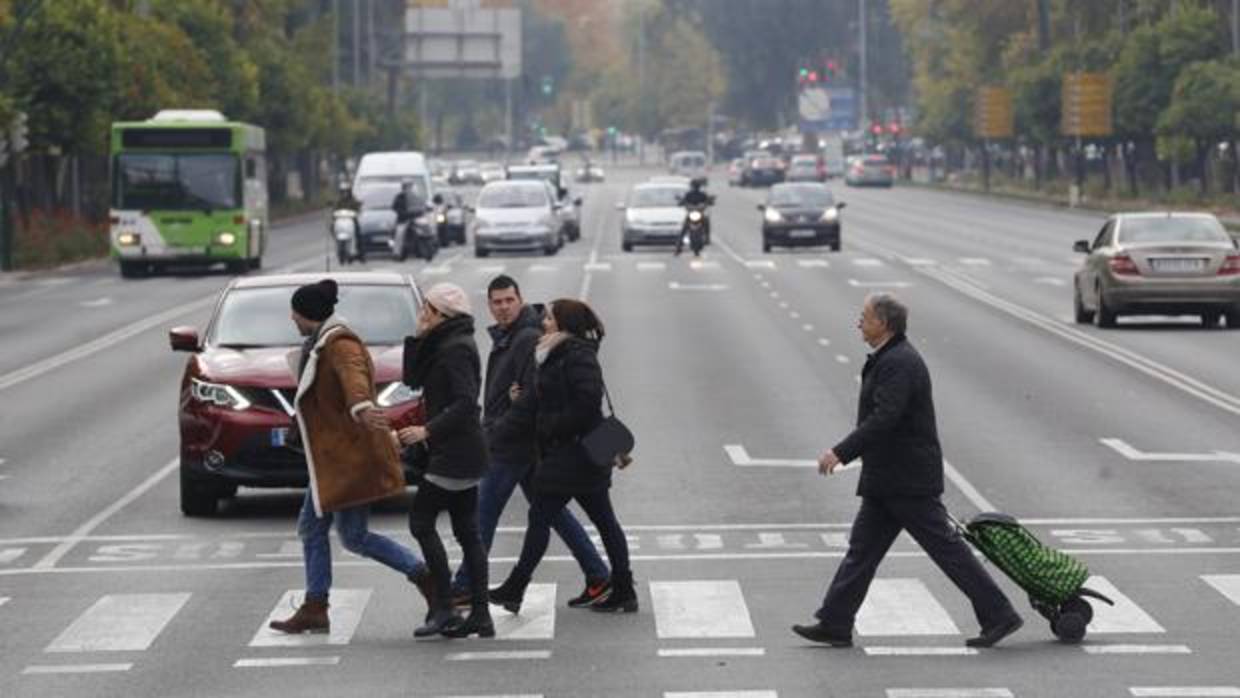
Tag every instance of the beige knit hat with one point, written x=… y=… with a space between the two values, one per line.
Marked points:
x=449 y=299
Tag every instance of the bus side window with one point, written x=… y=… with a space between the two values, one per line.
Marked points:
x=251 y=168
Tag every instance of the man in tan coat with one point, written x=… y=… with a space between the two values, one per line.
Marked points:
x=350 y=454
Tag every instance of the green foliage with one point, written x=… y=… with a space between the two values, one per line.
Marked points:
x=1204 y=102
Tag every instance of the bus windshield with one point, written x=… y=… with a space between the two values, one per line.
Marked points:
x=177 y=182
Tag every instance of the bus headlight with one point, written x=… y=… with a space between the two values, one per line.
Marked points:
x=128 y=239
x=225 y=238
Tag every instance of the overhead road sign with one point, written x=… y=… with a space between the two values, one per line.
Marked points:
x=463 y=39
x=1087 y=105
x=992 y=115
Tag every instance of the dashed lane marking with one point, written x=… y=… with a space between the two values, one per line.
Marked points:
x=651 y=266
x=542 y=268
x=920 y=651
x=275 y=662
x=824 y=342
x=120 y=622
x=760 y=264
x=807 y=327
x=713 y=652
x=879 y=284
x=1185 y=691
x=516 y=655
x=974 y=261
x=813 y=263
x=76 y=668
x=721 y=694
x=867 y=262
x=598 y=266
x=700 y=609
x=842 y=359
x=949 y=693
x=1226 y=584
x=794 y=315
x=920 y=262
x=1137 y=649
x=1050 y=281
x=346 y=613
x=97 y=303
x=903 y=607
x=491 y=269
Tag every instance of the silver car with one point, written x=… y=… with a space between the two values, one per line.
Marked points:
x=653 y=215
x=1159 y=264
x=516 y=216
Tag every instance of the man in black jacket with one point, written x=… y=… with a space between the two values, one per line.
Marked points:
x=510 y=370
x=900 y=487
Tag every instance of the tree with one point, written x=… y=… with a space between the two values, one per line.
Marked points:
x=1205 y=100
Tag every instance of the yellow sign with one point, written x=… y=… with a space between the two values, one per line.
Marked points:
x=993 y=116
x=1087 y=104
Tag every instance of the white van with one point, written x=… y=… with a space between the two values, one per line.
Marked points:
x=395 y=167
x=688 y=163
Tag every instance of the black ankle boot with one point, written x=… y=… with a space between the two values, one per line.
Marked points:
x=437 y=622
x=623 y=597
x=478 y=623
x=509 y=595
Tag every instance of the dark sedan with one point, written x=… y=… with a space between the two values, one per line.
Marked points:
x=800 y=215
x=239 y=385
x=762 y=171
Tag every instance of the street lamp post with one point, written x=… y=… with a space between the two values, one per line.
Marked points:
x=863 y=107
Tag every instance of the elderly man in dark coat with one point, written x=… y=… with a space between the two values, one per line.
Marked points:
x=900 y=487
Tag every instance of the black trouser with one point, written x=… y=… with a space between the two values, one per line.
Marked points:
x=462 y=507
x=543 y=510
x=877 y=524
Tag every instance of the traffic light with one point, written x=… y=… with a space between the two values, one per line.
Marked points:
x=548 y=85
x=813 y=76
x=803 y=74
x=876 y=129
x=894 y=128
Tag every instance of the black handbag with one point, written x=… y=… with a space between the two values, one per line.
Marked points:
x=608 y=444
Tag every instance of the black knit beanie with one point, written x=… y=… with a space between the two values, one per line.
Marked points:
x=316 y=301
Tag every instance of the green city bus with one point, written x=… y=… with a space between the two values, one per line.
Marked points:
x=188 y=187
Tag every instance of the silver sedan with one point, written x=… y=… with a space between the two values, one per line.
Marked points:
x=1159 y=264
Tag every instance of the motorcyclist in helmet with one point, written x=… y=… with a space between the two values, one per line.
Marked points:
x=696 y=197
x=345 y=198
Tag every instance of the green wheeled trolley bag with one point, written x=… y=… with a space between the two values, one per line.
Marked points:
x=1054 y=580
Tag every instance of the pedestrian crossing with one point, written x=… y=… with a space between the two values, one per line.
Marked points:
x=713 y=613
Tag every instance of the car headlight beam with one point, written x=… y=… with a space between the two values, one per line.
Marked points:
x=218 y=394
x=772 y=216
x=128 y=239
x=831 y=215
x=396 y=393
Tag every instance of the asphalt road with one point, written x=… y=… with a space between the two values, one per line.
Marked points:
x=735 y=371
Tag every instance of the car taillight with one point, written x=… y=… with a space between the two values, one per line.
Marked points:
x=1231 y=266
x=1123 y=265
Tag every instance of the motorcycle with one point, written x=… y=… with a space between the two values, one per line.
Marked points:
x=346 y=231
x=696 y=229
x=418 y=234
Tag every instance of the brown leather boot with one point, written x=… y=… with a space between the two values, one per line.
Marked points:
x=310 y=617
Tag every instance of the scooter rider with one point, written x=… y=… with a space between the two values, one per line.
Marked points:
x=345 y=199
x=348 y=207
x=408 y=205
x=696 y=197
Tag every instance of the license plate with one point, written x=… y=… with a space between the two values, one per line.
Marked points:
x=1178 y=264
x=279 y=436
x=803 y=233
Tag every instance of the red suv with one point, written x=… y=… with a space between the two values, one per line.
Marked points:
x=237 y=392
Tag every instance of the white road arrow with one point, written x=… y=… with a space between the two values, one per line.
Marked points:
x=740 y=458
x=1121 y=447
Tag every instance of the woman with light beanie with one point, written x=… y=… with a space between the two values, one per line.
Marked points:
x=442 y=361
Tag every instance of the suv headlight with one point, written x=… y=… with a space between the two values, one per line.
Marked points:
x=397 y=393
x=218 y=394
x=772 y=216
x=831 y=215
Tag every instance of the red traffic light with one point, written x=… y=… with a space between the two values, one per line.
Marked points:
x=876 y=129
x=894 y=128
x=831 y=66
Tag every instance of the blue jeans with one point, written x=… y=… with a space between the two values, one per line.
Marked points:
x=356 y=538
x=494 y=492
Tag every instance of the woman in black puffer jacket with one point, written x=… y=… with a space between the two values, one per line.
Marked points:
x=442 y=361
x=564 y=406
